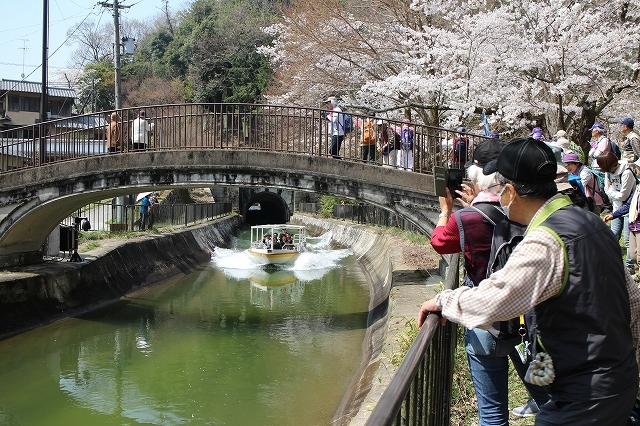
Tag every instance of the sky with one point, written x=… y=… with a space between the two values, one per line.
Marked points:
x=21 y=35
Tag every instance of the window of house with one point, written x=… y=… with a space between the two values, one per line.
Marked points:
x=14 y=103
x=29 y=104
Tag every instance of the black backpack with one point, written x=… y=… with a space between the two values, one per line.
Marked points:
x=506 y=236
x=615 y=148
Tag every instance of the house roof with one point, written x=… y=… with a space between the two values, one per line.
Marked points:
x=31 y=87
x=82 y=122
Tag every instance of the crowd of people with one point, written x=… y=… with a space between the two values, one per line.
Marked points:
x=283 y=240
x=394 y=143
x=533 y=294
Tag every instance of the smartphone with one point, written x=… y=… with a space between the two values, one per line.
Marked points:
x=440 y=180
x=454 y=181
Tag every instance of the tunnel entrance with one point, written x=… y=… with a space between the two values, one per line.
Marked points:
x=266 y=208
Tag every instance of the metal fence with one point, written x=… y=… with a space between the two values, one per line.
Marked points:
x=372 y=215
x=116 y=217
x=420 y=391
x=218 y=126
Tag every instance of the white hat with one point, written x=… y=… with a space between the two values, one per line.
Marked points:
x=562 y=143
x=560 y=134
x=562 y=178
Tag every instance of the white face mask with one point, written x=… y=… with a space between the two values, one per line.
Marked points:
x=505 y=209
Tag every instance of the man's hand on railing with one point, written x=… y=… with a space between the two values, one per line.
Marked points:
x=427 y=308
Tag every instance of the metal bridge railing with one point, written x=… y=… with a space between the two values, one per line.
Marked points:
x=116 y=217
x=214 y=126
x=420 y=392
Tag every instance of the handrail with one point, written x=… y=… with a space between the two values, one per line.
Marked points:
x=420 y=392
x=394 y=396
x=298 y=130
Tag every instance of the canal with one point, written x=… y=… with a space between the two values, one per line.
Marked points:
x=230 y=344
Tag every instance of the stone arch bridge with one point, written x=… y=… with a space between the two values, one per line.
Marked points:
x=44 y=179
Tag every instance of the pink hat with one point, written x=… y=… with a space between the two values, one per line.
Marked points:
x=571 y=157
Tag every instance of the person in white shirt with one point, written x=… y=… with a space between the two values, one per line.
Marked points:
x=336 y=126
x=140 y=130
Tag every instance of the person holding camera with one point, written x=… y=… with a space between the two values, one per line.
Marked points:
x=471 y=231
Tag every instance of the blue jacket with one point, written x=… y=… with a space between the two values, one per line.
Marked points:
x=144 y=207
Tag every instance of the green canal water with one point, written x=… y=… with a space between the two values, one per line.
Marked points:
x=231 y=344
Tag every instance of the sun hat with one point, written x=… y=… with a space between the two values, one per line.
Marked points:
x=562 y=178
x=485 y=152
x=525 y=161
x=560 y=134
x=597 y=126
x=536 y=133
x=571 y=157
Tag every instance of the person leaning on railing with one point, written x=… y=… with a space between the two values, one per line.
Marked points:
x=114 y=134
x=584 y=315
x=472 y=229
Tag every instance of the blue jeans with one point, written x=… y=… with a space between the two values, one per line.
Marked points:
x=489 y=364
x=620 y=226
x=336 y=143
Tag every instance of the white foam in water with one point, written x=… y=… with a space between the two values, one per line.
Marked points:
x=310 y=265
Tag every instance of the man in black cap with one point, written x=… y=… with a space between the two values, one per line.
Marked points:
x=587 y=328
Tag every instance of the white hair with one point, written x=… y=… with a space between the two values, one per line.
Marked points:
x=484 y=182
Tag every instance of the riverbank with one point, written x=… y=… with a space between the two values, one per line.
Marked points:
x=35 y=295
x=402 y=274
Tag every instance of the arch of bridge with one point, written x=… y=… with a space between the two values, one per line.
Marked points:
x=34 y=201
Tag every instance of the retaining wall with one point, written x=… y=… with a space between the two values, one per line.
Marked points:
x=35 y=295
x=381 y=261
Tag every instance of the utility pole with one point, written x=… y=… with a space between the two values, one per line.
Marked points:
x=116 y=47
x=118 y=95
x=45 y=67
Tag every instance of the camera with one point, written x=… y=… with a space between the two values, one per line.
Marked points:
x=447 y=178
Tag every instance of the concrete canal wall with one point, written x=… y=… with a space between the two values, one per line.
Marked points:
x=35 y=295
x=382 y=262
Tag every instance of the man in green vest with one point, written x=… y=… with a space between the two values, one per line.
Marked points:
x=582 y=306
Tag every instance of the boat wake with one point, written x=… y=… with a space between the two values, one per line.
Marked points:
x=310 y=265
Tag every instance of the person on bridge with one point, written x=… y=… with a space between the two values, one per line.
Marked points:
x=114 y=134
x=584 y=316
x=369 y=138
x=336 y=126
x=140 y=130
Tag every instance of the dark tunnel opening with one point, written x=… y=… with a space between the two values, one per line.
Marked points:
x=266 y=208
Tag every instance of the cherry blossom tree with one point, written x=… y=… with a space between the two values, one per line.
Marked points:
x=557 y=64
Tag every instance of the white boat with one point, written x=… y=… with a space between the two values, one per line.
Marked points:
x=266 y=249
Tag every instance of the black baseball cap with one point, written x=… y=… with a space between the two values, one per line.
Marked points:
x=525 y=160
x=485 y=152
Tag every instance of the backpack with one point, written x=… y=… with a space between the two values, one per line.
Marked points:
x=459 y=154
x=598 y=188
x=407 y=138
x=615 y=148
x=368 y=133
x=348 y=123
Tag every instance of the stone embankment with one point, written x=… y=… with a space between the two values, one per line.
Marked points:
x=35 y=295
x=388 y=262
